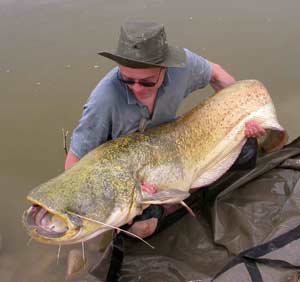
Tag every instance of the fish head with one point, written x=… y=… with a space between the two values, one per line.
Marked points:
x=80 y=204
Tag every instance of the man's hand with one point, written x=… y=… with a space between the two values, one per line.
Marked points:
x=71 y=159
x=145 y=228
x=253 y=129
x=148 y=188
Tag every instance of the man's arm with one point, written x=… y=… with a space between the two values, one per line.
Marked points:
x=71 y=159
x=220 y=78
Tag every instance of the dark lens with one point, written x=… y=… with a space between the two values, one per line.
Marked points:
x=131 y=82
x=143 y=83
x=147 y=84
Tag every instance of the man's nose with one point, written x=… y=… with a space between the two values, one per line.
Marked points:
x=137 y=87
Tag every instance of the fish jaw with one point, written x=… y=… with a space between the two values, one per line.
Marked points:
x=52 y=227
x=48 y=226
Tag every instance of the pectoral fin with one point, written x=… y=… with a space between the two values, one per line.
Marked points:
x=170 y=196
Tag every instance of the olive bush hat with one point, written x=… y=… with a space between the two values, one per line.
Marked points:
x=144 y=44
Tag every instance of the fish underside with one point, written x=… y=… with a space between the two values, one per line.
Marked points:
x=103 y=188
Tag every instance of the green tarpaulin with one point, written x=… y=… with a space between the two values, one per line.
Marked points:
x=247 y=229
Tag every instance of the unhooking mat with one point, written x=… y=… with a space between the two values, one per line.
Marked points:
x=247 y=229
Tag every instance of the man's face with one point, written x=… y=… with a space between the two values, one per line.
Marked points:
x=147 y=76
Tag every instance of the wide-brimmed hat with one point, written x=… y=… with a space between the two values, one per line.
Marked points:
x=144 y=44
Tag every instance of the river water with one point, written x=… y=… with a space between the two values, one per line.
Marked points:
x=49 y=65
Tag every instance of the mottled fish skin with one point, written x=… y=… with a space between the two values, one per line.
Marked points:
x=105 y=184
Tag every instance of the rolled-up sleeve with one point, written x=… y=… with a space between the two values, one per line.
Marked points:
x=94 y=126
x=198 y=72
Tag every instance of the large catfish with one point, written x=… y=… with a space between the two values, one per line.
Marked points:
x=193 y=151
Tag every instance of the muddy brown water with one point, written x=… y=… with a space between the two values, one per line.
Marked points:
x=48 y=66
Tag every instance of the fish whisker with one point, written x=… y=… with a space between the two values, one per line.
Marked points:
x=188 y=208
x=29 y=241
x=83 y=253
x=111 y=226
x=58 y=254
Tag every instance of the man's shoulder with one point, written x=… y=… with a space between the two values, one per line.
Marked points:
x=192 y=60
x=197 y=72
x=192 y=57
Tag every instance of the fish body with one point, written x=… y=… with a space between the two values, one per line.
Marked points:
x=193 y=151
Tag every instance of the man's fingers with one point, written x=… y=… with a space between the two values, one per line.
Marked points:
x=253 y=129
x=258 y=131
x=148 y=188
x=250 y=132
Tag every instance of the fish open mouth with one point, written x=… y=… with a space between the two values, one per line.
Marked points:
x=44 y=222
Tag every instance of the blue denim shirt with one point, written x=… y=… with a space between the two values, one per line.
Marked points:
x=112 y=109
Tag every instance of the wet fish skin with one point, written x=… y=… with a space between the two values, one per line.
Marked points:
x=192 y=151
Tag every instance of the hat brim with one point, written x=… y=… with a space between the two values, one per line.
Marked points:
x=175 y=59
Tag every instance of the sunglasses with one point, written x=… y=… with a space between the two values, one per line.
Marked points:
x=140 y=82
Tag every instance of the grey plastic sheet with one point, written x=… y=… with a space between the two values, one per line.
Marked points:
x=246 y=229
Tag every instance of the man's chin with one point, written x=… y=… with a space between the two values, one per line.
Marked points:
x=143 y=95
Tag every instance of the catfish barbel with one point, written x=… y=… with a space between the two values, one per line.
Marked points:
x=193 y=151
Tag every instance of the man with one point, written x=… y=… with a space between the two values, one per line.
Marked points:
x=145 y=90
